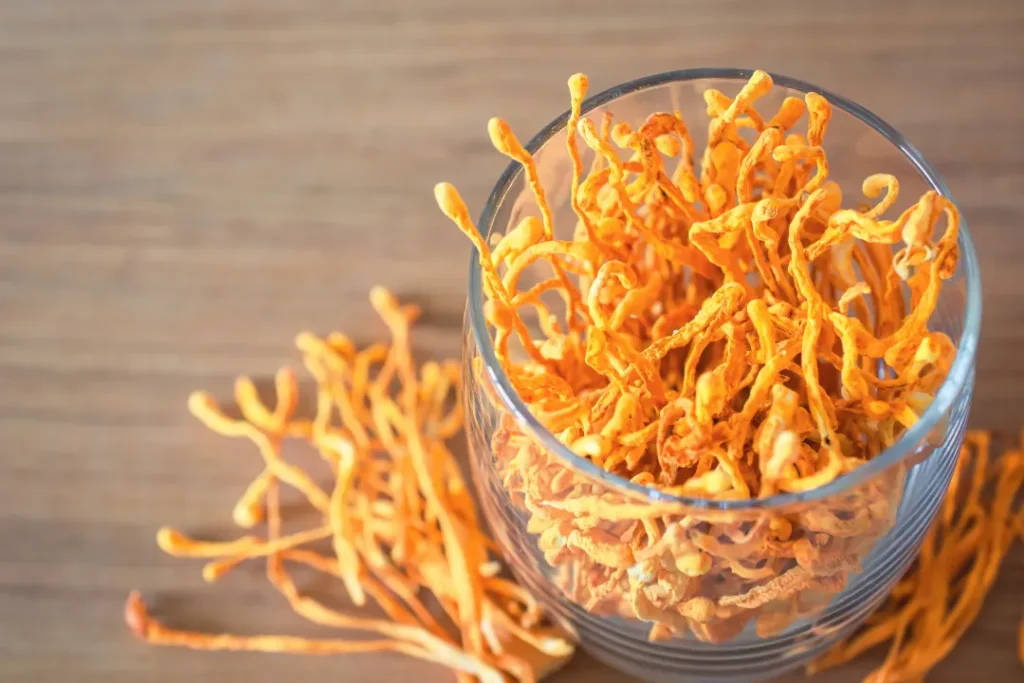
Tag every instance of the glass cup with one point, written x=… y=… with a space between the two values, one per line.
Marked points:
x=737 y=608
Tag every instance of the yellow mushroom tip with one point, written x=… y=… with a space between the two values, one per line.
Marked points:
x=244 y=384
x=135 y=615
x=212 y=572
x=448 y=200
x=502 y=137
x=554 y=646
x=339 y=342
x=167 y=539
x=578 y=84
x=875 y=183
x=341 y=445
x=587 y=129
x=381 y=296
x=306 y=341
x=200 y=401
x=620 y=131
x=247 y=515
x=498 y=127
x=286 y=375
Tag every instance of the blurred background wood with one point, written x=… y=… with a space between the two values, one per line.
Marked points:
x=185 y=185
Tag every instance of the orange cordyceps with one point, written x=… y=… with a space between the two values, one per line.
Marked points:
x=728 y=333
x=399 y=516
x=725 y=332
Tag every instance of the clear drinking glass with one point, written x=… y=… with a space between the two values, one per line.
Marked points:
x=875 y=517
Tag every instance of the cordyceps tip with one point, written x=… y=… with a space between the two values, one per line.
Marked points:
x=286 y=383
x=430 y=371
x=135 y=615
x=789 y=113
x=668 y=145
x=765 y=210
x=247 y=515
x=286 y=373
x=710 y=382
x=448 y=199
x=503 y=139
x=498 y=129
x=212 y=571
x=245 y=385
x=452 y=206
x=167 y=539
x=382 y=300
x=876 y=182
x=621 y=134
x=783 y=153
x=307 y=342
x=578 y=84
x=340 y=343
x=554 y=646
x=587 y=129
x=200 y=402
x=713 y=100
x=816 y=102
x=761 y=81
x=341 y=445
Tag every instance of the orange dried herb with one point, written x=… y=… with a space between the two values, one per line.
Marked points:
x=399 y=517
x=730 y=333
x=676 y=370
x=934 y=604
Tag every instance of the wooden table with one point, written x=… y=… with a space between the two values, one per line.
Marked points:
x=185 y=185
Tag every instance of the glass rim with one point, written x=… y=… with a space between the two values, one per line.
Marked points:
x=959 y=374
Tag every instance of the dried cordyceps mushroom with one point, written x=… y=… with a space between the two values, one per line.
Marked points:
x=934 y=604
x=725 y=333
x=399 y=516
x=732 y=335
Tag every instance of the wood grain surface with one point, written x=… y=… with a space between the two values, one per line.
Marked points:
x=186 y=184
